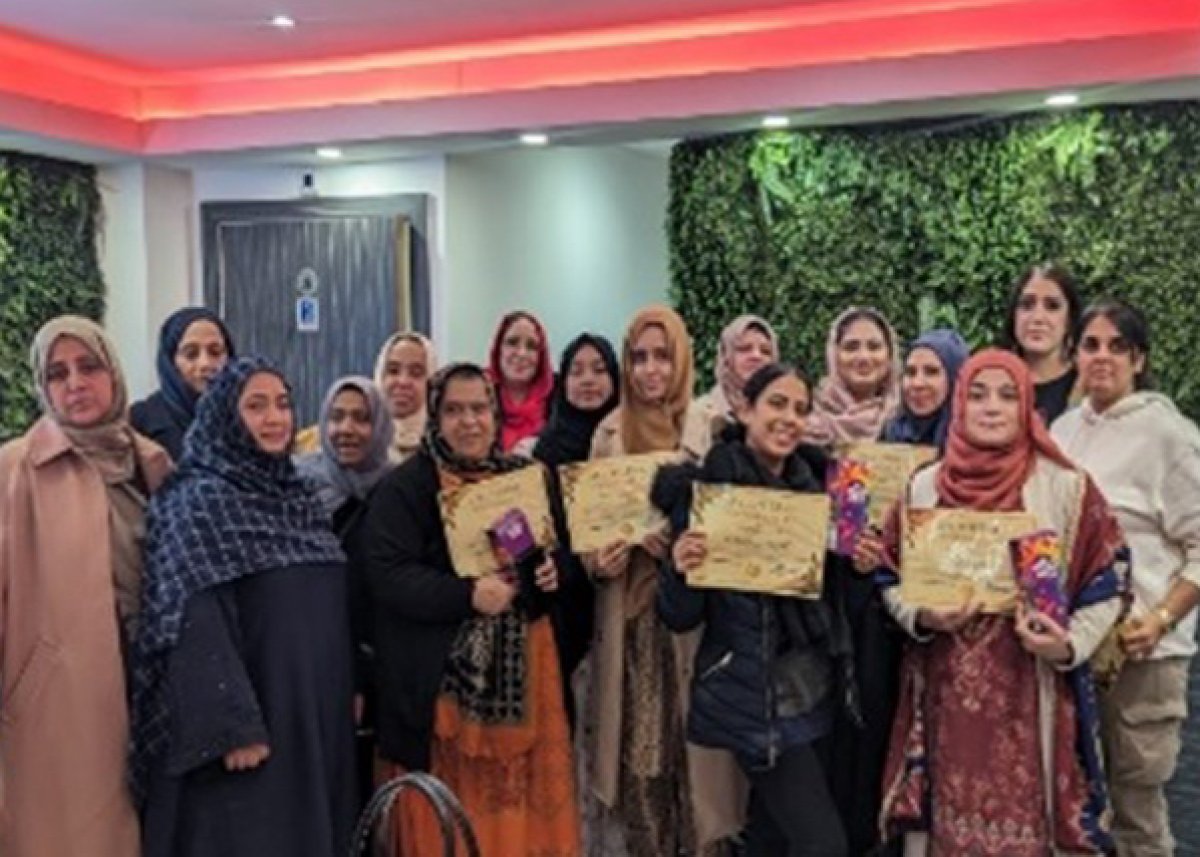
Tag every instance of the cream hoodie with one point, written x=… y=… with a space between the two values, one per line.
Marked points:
x=1145 y=456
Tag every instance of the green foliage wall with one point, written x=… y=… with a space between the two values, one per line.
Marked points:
x=932 y=224
x=49 y=211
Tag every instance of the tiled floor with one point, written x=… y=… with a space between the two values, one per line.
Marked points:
x=1185 y=788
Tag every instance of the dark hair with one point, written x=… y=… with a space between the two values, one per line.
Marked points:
x=1069 y=287
x=864 y=314
x=1131 y=324
x=765 y=376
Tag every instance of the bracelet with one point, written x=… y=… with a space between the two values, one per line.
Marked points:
x=1164 y=616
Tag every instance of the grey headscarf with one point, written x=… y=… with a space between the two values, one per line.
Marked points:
x=337 y=484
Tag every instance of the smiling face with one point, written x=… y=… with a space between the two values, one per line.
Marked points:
x=1042 y=318
x=405 y=375
x=925 y=384
x=520 y=349
x=752 y=351
x=349 y=427
x=201 y=354
x=466 y=419
x=1108 y=363
x=265 y=407
x=775 y=420
x=652 y=369
x=79 y=386
x=589 y=385
x=992 y=416
x=863 y=355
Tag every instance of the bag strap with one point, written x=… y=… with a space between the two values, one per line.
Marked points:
x=452 y=820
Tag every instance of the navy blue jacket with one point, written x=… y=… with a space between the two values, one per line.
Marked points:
x=738 y=701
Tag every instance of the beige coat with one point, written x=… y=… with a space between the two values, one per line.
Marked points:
x=63 y=719
x=718 y=787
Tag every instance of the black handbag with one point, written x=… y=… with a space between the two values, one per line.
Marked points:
x=452 y=820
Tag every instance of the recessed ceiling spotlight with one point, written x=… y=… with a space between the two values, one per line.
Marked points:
x=283 y=22
x=1062 y=99
x=534 y=138
x=776 y=121
x=329 y=153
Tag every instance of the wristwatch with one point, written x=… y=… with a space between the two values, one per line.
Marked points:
x=1164 y=616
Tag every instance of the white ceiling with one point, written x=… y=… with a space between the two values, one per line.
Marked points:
x=179 y=34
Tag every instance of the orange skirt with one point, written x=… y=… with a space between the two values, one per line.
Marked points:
x=515 y=782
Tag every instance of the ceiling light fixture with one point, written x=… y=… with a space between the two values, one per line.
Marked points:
x=776 y=121
x=329 y=153
x=283 y=22
x=1062 y=99
x=534 y=138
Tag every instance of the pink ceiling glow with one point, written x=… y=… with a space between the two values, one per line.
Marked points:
x=215 y=79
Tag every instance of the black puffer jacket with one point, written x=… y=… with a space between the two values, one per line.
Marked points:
x=771 y=672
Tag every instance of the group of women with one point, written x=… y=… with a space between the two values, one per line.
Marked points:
x=186 y=652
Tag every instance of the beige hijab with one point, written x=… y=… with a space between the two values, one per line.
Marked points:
x=647 y=427
x=410 y=429
x=108 y=447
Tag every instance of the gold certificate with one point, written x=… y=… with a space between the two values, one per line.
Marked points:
x=889 y=467
x=608 y=499
x=951 y=556
x=469 y=510
x=761 y=539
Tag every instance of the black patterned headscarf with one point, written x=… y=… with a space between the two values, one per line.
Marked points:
x=439 y=448
x=230 y=510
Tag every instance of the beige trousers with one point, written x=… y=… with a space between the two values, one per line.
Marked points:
x=1142 y=719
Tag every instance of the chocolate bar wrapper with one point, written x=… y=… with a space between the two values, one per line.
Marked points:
x=847 y=482
x=1037 y=559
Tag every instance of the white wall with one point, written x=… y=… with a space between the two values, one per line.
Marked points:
x=145 y=256
x=575 y=235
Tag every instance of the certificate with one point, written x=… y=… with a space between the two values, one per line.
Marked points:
x=889 y=466
x=951 y=556
x=469 y=510
x=761 y=539
x=608 y=499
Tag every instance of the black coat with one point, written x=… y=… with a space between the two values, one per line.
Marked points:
x=740 y=697
x=153 y=418
x=418 y=606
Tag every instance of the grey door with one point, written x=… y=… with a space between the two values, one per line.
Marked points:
x=315 y=290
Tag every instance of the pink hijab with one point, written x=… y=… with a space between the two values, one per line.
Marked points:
x=837 y=417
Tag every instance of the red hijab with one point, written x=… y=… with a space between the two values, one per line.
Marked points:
x=991 y=479
x=524 y=418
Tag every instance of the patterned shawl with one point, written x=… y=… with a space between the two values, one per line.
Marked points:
x=486 y=669
x=230 y=510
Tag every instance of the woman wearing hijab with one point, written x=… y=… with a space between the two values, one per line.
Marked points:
x=747 y=344
x=519 y=365
x=403 y=368
x=650 y=791
x=405 y=364
x=860 y=390
x=585 y=393
x=927 y=389
x=469 y=684
x=75 y=488
x=243 y=735
x=926 y=392
x=995 y=749
x=356 y=440
x=193 y=345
